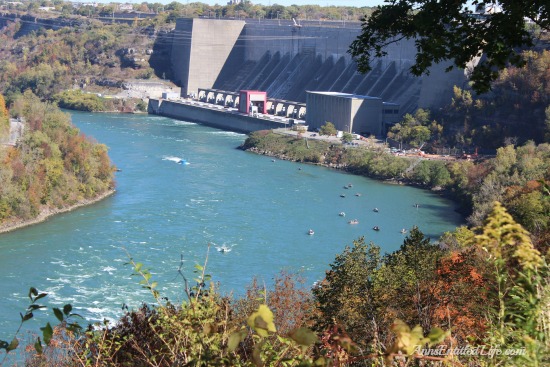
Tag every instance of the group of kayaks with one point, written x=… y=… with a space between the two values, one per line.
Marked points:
x=355 y=221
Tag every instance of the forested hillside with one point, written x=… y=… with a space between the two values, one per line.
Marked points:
x=53 y=165
x=516 y=110
x=83 y=62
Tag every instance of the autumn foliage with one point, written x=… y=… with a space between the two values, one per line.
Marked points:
x=52 y=166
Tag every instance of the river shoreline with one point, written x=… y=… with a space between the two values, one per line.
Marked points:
x=348 y=169
x=46 y=213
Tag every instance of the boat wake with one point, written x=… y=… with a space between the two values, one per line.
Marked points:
x=177 y=160
x=223 y=249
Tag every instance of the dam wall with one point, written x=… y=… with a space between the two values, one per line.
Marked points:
x=201 y=48
x=212 y=115
x=286 y=60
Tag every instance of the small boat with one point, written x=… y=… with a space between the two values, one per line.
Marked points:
x=223 y=249
x=342 y=195
x=310 y=232
x=345 y=187
x=353 y=221
x=357 y=194
x=417 y=205
x=350 y=185
x=403 y=231
x=376 y=228
x=342 y=214
x=375 y=210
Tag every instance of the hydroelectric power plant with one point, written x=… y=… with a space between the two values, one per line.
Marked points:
x=286 y=59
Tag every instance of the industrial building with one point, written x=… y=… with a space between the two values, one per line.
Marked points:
x=351 y=113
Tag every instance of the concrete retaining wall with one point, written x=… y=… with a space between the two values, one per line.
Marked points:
x=221 y=118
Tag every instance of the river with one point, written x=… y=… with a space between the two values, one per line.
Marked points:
x=164 y=213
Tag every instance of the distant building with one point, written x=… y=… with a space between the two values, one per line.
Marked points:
x=252 y=101
x=125 y=7
x=234 y=2
x=351 y=113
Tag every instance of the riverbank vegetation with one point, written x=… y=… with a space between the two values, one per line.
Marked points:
x=52 y=165
x=478 y=297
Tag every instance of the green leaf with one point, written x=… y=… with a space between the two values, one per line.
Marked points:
x=138 y=267
x=437 y=335
x=154 y=284
x=38 y=346
x=235 y=339
x=147 y=276
x=57 y=312
x=13 y=345
x=67 y=309
x=26 y=317
x=303 y=336
x=262 y=321
x=47 y=333
x=41 y=295
x=32 y=291
x=199 y=267
x=35 y=307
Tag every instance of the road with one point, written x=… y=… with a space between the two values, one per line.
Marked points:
x=16 y=130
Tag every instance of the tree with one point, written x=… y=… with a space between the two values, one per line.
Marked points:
x=345 y=296
x=406 y=281
x=412 y=129
x=328 y=129
x=444 y=30
x=347 y=138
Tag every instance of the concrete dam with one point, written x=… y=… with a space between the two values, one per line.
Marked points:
x=286 y=59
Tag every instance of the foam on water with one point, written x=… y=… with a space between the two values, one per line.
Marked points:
x=228 y=133
x=178 y=160
x=183 y=123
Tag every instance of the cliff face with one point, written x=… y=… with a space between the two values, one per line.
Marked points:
x=286 y=60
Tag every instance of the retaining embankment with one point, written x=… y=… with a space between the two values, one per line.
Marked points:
x=212 y=115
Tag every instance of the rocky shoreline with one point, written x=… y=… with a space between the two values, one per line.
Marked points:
x=49 y=212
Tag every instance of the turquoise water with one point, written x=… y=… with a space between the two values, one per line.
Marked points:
x=259 y=209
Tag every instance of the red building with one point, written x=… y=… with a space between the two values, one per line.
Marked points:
x=252 y=98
